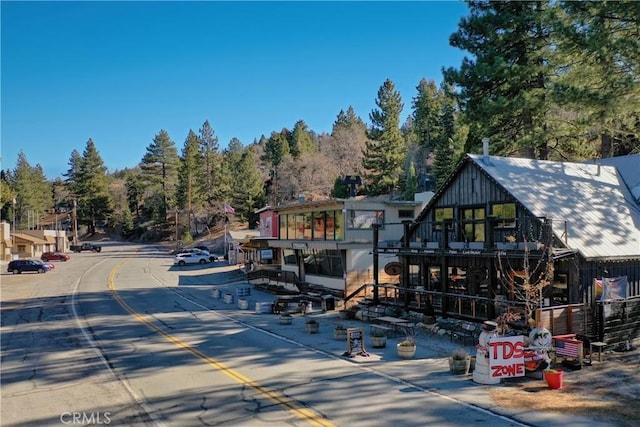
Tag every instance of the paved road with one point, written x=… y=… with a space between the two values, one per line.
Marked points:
x=124 y=338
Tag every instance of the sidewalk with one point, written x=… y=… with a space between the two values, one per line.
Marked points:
x=428 y=370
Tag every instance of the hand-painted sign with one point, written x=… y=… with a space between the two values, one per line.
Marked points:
x=506 y=357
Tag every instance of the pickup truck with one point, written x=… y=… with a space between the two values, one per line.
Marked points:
x=86 y=247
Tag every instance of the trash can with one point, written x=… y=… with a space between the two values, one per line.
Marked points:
x=328 y=303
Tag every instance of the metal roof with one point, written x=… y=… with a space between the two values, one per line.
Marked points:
x=601 y=215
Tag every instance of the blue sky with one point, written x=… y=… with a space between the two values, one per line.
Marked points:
x=118 y=72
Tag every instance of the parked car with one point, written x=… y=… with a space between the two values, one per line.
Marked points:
x=191 y=258
x=17 y=266
x=86 y=247
x=54 y=256
x=198 y=251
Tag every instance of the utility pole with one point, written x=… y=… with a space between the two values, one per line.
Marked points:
x=75 y=222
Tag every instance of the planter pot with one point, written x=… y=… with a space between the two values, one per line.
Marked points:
x=340 y=334
x=286 y=320
x=554 y=379
x=312 y=328
x=459 y=366
x=406 y=351
x=378 y=342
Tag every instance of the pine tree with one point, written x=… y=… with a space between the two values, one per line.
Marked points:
x=33 y=193
x=301 y=141
x=159 y=167
x=427 y=106
x=190 y=171
x=94 y=200
x=384 y=153
x=212 y=160
x=599 y=53
x=504 y=89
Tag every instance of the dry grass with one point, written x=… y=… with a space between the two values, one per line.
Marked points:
x=609 y=392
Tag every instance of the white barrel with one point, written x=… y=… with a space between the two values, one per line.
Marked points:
x=228 y=298
x=243 y=303
x=216 y=294
x=263 y=307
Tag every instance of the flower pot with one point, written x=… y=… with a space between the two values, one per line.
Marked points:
x=406 y=351
x=378 y=342
x=554 y=379
x=286 y=320
x=459 y=366
x=340 y=334
x=312 y=328
x=243 y=303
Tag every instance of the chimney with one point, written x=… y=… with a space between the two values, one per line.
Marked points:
x=485 y=148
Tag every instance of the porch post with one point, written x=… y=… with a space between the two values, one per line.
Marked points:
x=376 y=232
x=404 y=259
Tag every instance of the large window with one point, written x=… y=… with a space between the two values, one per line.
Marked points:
x=322 y=225
x=442 y=215
x=359 y=220
x=473 y=224
x=323 y=262
x=504 y=214
x=319 y=223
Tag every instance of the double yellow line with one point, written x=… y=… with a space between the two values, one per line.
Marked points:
x=305 y=414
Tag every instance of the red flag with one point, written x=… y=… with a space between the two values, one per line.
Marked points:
x=228 y=209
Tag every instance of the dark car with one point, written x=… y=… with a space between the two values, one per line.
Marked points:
x=19 y=265
x=54 y=256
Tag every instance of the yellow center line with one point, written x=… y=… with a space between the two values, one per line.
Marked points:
x=281 y=400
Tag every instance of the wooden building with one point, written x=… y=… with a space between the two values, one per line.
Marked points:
x=500 y=225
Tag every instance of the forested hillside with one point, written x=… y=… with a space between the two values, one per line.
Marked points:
x=545 y=80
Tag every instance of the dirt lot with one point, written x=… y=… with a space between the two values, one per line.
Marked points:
x=607 y=391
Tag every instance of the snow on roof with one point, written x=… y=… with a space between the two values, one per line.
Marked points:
x=602 y=217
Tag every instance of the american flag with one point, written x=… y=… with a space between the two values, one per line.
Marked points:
x=228 y=209
x=568 y=348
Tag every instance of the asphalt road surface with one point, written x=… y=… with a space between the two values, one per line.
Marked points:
x=123 y=337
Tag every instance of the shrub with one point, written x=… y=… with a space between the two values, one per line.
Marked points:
x=460 y=354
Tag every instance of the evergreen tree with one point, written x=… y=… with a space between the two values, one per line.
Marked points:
x=426 y=111
x=248 y=191
x=135 y=192
x=504 y=88
x=384 y=153
x=75 y=161
x=190 y=171
x=347 y=120
x=33 y=193
x=599 y=53
x=212 y=159
x=90 y=180
x=444 y=162
x=159 y=167
x=410 y=182
x=277 y=147
x=301 y=141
